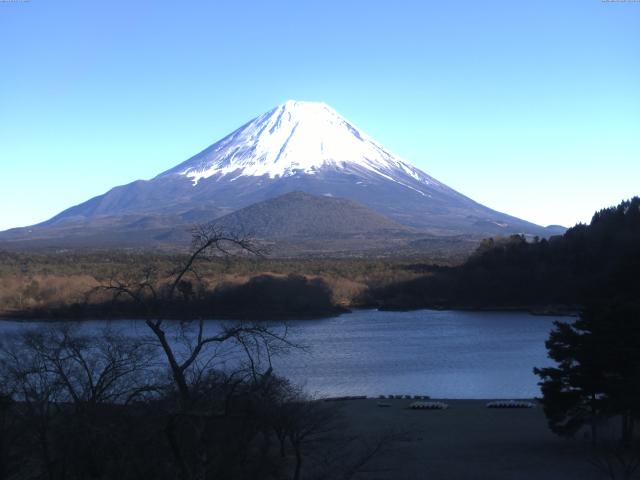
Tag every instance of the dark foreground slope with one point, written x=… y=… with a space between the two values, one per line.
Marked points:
x=599 y=260
x=467 y=441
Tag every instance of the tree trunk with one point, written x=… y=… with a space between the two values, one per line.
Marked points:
x=46 y=457
x=282 y=438
x=170 y=432
x=176 y=371
x=2 y=460
x=627 y=429
x=298 y=471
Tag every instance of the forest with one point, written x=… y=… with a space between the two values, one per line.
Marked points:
x=563 y=273
x=66 y=283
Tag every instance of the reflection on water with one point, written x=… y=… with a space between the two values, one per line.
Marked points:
x=448 y=354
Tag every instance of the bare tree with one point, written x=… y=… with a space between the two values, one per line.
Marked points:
x=254 y=338
x=64 y=382
x=192 y=351
x=87 y=369
x=98 y=406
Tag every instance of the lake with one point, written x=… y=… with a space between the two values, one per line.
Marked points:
x=444 y=354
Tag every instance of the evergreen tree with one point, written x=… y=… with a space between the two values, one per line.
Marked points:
x=598 y=372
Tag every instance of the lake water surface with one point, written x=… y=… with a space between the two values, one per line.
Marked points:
x=445 y=354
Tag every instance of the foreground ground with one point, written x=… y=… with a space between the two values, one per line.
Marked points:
x=467 y=441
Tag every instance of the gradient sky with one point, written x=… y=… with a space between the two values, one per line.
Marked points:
x=529 y=107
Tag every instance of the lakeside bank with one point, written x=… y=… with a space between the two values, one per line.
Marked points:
x=467 y=441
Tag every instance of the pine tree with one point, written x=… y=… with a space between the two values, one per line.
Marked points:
x=598 y=372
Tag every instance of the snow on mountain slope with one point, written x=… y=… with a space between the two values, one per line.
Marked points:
x=299 y=137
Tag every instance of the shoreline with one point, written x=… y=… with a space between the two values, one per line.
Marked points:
x=539 y=311
x=22 y=316
x=369 y=398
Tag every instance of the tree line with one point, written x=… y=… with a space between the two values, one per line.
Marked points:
x=599 y=260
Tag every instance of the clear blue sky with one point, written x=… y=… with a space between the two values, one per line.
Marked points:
x=530 y=107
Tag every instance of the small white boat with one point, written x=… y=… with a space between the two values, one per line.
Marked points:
x=428 y=405
x=510 y=404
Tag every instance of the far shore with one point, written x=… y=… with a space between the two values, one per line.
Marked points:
x=45 y=315
x=53 y=315
x=543 y=311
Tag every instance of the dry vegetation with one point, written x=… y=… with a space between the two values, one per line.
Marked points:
x=31 y=280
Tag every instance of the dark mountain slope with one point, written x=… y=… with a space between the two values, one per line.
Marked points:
x=300 y=214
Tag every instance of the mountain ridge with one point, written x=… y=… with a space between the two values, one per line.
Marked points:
x=297 y=146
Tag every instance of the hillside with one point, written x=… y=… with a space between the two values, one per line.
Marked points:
x=299 y=214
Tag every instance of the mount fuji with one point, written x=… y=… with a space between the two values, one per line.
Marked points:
x=296 y=147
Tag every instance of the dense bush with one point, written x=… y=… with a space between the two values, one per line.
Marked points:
x=262 y=297
x=266 y=295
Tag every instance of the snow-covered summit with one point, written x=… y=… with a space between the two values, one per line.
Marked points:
x=296 y=147
x=298 y=138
